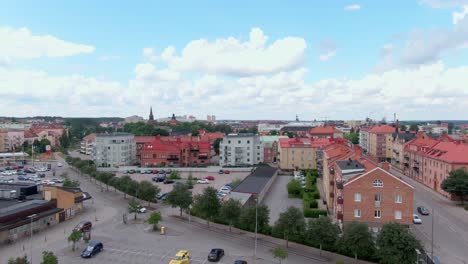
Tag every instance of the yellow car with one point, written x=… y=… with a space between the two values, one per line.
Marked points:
x=182 y=257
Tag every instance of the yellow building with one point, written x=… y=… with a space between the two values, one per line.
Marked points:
x=299 y=153
x=380 y=139
x=68 y=199
x=3 y=135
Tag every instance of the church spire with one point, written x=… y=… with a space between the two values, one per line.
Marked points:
x=151 y=117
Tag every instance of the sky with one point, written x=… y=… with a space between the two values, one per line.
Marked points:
x=235 y=59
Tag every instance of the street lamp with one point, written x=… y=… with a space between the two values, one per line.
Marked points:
x=30 y=240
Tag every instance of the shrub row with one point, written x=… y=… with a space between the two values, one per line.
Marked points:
x=314 y=213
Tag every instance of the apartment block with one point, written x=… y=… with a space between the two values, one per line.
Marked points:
x=397 y=145
x=300 y=153
x=240 y=149
x=364 y=138
x=380 y=138
x=87 y=144
x=114 y=150
x=270 y=147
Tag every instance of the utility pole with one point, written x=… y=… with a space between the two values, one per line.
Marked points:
x=30 y=239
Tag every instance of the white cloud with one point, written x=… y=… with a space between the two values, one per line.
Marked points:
x=327 y=56
x=352 y=7
x=444 y=3
x=21 y=44
x=327 y=49
x=233 y=56
x=458 y=16
x=109 y=58
x=149 y=54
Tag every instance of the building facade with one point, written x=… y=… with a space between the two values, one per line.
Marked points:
x=114 y=149
x=380 y=138
x=364 y=139
x=240 y=149
x=270 y=147
x=87 y=144
x=300 y=153
x=398 y=144
x=326 y=132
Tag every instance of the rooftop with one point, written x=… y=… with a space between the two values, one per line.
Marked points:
x=256 y=181
x=240 y=135
x=324 y=130
x=114 y=134
x=349 y=165
x=382 y=129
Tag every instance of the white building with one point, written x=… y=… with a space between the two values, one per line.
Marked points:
x=114 y=149
x=134 y=119
x=240 y=149
x=268 y=127
x=364 y=139
x=87 y=144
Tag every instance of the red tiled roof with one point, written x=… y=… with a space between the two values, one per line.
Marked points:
x=320 y=130
x=382 y=129
x=450 y=152
x=304 y=142
x=29 y=134
x=158 y=144
x=89 y=137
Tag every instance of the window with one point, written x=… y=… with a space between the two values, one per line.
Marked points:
x=397 y=214
x=248 y=141
x=229 y=141
x=377 y=183
x=239 y=141
x=377 y=214
x=398 y=199
x=248 y=160
x=258 y=158
x=357 y=213
x=357 y=197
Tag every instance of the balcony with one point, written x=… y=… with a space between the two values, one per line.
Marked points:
x=203 y=157
x=332 y=182
x=172 y=157
x=339 y=185
x=406 y=157
x=339 y=200
x=339 y=215
x=332 y=195
x=377 y=203
x=332 y=171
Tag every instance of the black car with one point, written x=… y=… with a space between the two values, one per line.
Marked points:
x=423 y=210
x=240 y=262
x=92 y=249
x=161 y=177
x=220 y=172
x=41 y=175
x=168 y=181
x=215 y=254
x=131 y=171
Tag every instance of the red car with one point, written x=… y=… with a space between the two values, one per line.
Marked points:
x=210 y=178
x=226 y=172
x=83 y=226
x=155 y=171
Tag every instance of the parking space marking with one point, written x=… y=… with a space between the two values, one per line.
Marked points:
x=166 y=254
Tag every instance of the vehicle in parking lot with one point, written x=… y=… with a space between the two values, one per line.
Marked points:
x=83 y=226
x=416 y=219
x=210 y=178
x=204 y=181
x=48 y=182
x=226 y=172
x=155 y=179
x=221 y=172
x=59 y=164
x=168 y=181
x=57 y=180
x=225 y=189
x=182 y=257
x=92 y=249
x=216 y=254
x=221 y=195
x=161 y=196
x=161 y=177
x=23 y=178
x=423 y=210
x=162 y=172
x=155 y=171
x=125 y=172
x=41 y=175
x=131 y=171
x=141 y=209
x=240 y=262
x=21 y=173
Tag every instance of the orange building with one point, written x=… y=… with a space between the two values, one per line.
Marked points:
x=380 y=139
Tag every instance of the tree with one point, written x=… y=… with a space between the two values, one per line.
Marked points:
x=236 y=183
x=207 y=204
x=450 y=127
x=353 y=137
x=144 y=129
x=105 y=177
x=180 y=197
x=74 y=237
x=231 y=210
x=414 y=127
x=48 y=257
x=125 y=183
x=403 y=127
x=279 y=253
x=189 y=181
x=114 y=182
x=216 y=144
x=133 y=206
x=64 y=139
x=154 y=219
x=290 y=225
x=247 y=218
x=148 y=191
x=396 y=245
x=18 y=260
x=321 y=232
x=457 y=184
x=357 y=239
x=273 y=133
x=174 y=175
x=70 y=183
x=294 y=188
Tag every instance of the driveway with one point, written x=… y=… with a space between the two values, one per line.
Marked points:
x=277 y=198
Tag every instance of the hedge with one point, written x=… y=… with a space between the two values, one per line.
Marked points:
x=314 y=213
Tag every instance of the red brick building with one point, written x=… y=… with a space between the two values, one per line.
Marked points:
x=374 y=197
x=175 y=152
x=325 y=132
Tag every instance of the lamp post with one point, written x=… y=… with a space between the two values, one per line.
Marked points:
x=30 y=239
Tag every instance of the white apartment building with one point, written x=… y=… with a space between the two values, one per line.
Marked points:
x=114 y=149
x=240 y=149
x=364 y=138
x=87 y=144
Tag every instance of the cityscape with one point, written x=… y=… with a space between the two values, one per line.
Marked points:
x=192 y=142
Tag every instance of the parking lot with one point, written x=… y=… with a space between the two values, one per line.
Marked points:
x=40 y=174
x=220 y=179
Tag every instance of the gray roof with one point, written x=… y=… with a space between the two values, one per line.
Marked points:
x=241 y=135
x=296 y=128
x=349 y=165
x=21 y=206
x=256 y=181
x=405 y=136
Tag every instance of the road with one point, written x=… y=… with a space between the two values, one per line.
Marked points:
x=135 y=243
x=450 y=224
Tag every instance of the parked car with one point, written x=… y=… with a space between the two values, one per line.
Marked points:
x=204 y=181
x=59 y=164
x=168 y=171
x=182 y=257
x=221 y=195
x=210 y=178
x=155 y=171
x=168 y=181
x=226 y=172
x=423 y=210
x=225 y=189
x=21 y=173
x=83 y=226
x=23 y=178
x=57 y=180
x=155 y=179
x=161 y=177
x=240 y=262
x=161 y=196
x=131 y=171
x=92 y=249
x=216 y=254
x=41 y=175
x=48 y=182
x=220 y=172
x=416 y=219
x=141 y=209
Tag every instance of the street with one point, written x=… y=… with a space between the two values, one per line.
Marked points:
x=136 y=243
x=450 y=224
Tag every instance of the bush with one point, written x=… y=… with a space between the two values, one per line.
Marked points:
x=314 y=213
x=466 y=207
x=294 y=189
x=316 y=195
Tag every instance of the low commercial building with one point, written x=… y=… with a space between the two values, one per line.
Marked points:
x=69 y=199
x=244 y=149
x=254 y=187
x=114 y=150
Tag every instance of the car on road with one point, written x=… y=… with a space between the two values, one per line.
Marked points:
x=168 y=181
x=92 y=249
x=226 y=172
x=423 y=210
x=59 y=164
x=83 y=226
x=48 y=182
x=204 y=181
x=416 y=219
x=240 y=262
x=220 y=172
x=216 y=254
x=210 y=178
x=57 y=180
x=161 y=196
x=182 y=257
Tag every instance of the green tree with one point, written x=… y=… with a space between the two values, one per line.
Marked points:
x=105 y=177
x=321 y=232
x=148 y=191
x=70 y=183
x=247 y=218
x=279 y=253
x=403 y=127
x=294 y=188
x=125 y=183
x=174 y=175
x=273 y=133
x=357 y=240
x=397 y=245
x=450 y=127
x=64 y=139
x=154 y=219
x=290 y=225
x=49 y=257
x=115 y=183
x=144 y=129
x=457 y=184
x=18 y=260
x=414 y=127
x=231 y=210
x=353 y=137
x=207 y=204
x=74 y=237
x=189 y=181
x=236 y=183
x=216 y=144
x=180 y=197
x=133 y=206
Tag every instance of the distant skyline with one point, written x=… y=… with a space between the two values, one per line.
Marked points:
x=345 y=60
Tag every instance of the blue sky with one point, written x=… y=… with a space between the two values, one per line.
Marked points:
x=339 y=72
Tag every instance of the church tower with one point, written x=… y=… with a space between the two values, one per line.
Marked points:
x=151 y=117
